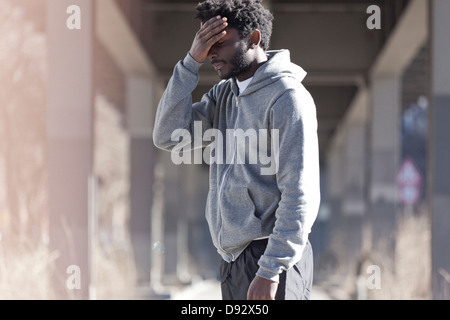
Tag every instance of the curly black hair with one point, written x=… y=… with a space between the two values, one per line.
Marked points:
x=244 y=15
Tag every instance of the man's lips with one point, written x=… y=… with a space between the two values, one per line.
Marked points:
x=217 y=65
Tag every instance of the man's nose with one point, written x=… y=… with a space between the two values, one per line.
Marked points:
x=212 y=54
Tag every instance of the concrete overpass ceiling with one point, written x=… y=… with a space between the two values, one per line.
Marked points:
x=328 y=38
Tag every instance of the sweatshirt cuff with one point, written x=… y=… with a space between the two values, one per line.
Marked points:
x=191 y=64
x=263 y=273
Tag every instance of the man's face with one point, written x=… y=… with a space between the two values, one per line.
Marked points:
x=229 y=56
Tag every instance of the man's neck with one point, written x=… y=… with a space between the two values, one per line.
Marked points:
x=260 y=59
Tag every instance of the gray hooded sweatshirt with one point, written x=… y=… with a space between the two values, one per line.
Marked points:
x=266 y=188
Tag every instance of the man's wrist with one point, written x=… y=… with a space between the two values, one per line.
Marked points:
x=195 y=58
x=192 y=64
x=266 y=274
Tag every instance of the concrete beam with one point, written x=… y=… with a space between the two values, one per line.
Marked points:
x=121 y=42
x=356 y=113
x=405 y=40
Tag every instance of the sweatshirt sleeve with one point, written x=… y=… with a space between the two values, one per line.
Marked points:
x=176 y=110
x=294 y=116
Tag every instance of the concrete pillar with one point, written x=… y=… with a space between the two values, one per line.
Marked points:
x=335 y=190
x=439 y=155
x=158 y=245
x=353 y=199
x=355 y=160
x=70 y=156
x=140 y=95
x=384 y=153
x=346 y=178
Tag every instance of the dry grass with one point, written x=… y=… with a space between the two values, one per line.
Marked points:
x=27 y=264
x=405 y=275
x=25 y=270
x=114 y=269
x=409 y=278
x=115 y=276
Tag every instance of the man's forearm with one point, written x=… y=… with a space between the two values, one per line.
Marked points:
x=175 y=108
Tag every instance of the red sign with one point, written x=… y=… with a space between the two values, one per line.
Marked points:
x=409 y=181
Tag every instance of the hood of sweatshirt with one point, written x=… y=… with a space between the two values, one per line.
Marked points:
x=278 y=66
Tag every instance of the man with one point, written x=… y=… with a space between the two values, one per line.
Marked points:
x=259 y=219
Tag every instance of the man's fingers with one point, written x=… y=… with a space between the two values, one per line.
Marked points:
x=213 y=35
x=217 y=37
x=211 y=28
x=210 y=32
x=205 y=25
x=212 y=21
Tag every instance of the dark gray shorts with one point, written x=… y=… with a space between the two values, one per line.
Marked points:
x=236 y=276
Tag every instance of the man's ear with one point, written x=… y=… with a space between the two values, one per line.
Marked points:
x=254 y=39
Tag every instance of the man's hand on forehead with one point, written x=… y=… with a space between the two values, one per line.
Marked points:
x=210 y=32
